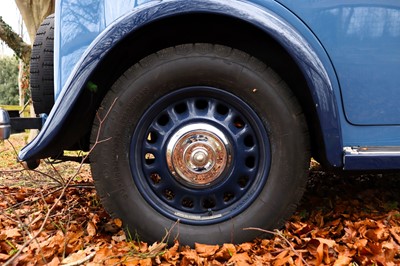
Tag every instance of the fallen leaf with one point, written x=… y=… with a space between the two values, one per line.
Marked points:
x=91 y=229
x=190 y=256
x=75 y=257
x=11 y=233
x=342 y=260
x=205 y=250
x=225 y=252
x=240 y=259
x=245 y=247
x=118 y=222
x=156 y=248
x=102 y=255
x=172 y=253
x=395 y=235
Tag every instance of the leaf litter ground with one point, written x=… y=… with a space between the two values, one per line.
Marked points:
x=342 y=220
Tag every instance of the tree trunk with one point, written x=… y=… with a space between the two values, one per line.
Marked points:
x=15 y=42
x=34 y=12
x=23 y=81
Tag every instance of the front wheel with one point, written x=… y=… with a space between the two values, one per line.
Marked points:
x=204 y=139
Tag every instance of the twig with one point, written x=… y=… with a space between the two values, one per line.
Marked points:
x=60 y=177
x=41 y=227
x=12 y=171
x=66 y=240
x=65 y=186
x=36 y=171
x=98 y=141
x=27 y=243
x=168 y=233
x=279 y=234
x=81 y=261
x=24 y=107
x=61 y=183
x=84 y=185
x=35 y=239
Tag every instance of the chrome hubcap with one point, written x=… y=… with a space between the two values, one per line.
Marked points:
x=198 y=154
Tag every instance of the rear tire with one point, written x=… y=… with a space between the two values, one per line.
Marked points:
x=201 y=134
x=41 y=67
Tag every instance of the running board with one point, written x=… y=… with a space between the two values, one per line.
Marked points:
x=372 y=158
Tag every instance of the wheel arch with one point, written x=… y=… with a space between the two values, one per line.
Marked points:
x=241 y=25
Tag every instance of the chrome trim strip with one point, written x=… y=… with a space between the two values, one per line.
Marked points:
x=373 y=150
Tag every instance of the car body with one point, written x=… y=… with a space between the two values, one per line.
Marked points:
x=340 y=59
x=356 y=45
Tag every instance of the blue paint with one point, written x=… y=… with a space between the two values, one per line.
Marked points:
x=80 y=22
x=348 y=52
x=362 y=39
x=363 y=163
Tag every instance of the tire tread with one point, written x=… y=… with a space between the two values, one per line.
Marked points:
x=42 y=66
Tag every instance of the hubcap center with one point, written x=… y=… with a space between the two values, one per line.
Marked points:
x=198 y=154
x=199 y=157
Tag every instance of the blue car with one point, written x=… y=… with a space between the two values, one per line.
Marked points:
x=201 y=116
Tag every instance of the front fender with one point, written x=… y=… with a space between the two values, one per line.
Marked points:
x=74 y=109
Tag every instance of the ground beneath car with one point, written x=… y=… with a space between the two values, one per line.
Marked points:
x=52 y=216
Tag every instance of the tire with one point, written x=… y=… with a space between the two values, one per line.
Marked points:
x=41 y=67
x=201 y=140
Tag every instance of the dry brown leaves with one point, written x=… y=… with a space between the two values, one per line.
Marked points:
x=342 y=221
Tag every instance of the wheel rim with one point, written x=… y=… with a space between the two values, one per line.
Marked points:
x=200 y=155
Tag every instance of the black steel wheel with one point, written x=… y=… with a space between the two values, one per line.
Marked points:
x=204 y=137
x=41 y=67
